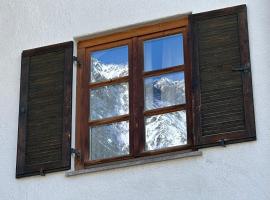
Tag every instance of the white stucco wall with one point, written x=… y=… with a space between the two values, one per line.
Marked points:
x=239 y=171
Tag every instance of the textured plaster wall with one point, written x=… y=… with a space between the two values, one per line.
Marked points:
x=238 y=171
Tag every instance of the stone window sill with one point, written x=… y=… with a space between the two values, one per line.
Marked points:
x=134 y=162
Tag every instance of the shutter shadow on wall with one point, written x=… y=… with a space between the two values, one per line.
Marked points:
x=45 y=110
x=222 y=87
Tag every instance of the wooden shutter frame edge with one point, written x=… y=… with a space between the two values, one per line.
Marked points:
x=247 y=77
x=21 y=170
x=241 y=10
x=22 y=116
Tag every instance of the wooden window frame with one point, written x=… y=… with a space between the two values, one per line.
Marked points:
x=134 y=39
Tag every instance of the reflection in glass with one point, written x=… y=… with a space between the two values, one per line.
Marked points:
x=164 y=90
x=109 y=101
x=108 y=141
x=163 y=52
x=165 y=130
x=108 y=64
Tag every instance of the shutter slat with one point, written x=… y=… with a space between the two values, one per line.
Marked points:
x=45 y=106
x=221 y=111
x=217 y=95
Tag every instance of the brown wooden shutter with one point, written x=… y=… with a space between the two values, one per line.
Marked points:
x=45 y=110
x=223 y=102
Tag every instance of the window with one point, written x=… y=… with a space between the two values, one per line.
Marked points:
x=138 y=93
x=177 y=85
x=170 y=86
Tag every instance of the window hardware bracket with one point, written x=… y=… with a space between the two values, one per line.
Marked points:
x=42 y=172
x=244 y=68
x=76 y=152
x=75 y=59
x=222 y=142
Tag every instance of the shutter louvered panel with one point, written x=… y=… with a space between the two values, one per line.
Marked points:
x=45 y=110
x=221 y=77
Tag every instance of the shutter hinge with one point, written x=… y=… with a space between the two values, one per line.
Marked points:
x=244 y=68
x=75 y=59
x=42 y=172
x=222 y=142
x=76 y=152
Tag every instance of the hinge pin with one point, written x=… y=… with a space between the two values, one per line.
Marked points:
x=76 y=152
x=75 y=59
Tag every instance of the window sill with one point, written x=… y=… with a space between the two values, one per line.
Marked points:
x=134 y=162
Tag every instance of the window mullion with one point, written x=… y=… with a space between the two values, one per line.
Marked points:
x=137 y=98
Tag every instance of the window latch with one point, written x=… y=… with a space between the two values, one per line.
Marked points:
x=76 y=152
x=75 y=59
x=243 y=68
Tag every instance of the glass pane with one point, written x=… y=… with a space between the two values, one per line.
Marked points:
x=165 y=130
x=109 y=101
x=110 y=140
x=109 y=63
x=164 y=90
x=163 y=52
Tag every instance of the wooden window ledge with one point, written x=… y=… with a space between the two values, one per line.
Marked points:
x=134 y=162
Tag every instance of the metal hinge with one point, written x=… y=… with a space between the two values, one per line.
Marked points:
x=244 y=68
x=76 y=152
x=42 y=172
x=75 y=59
x=222 y=142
